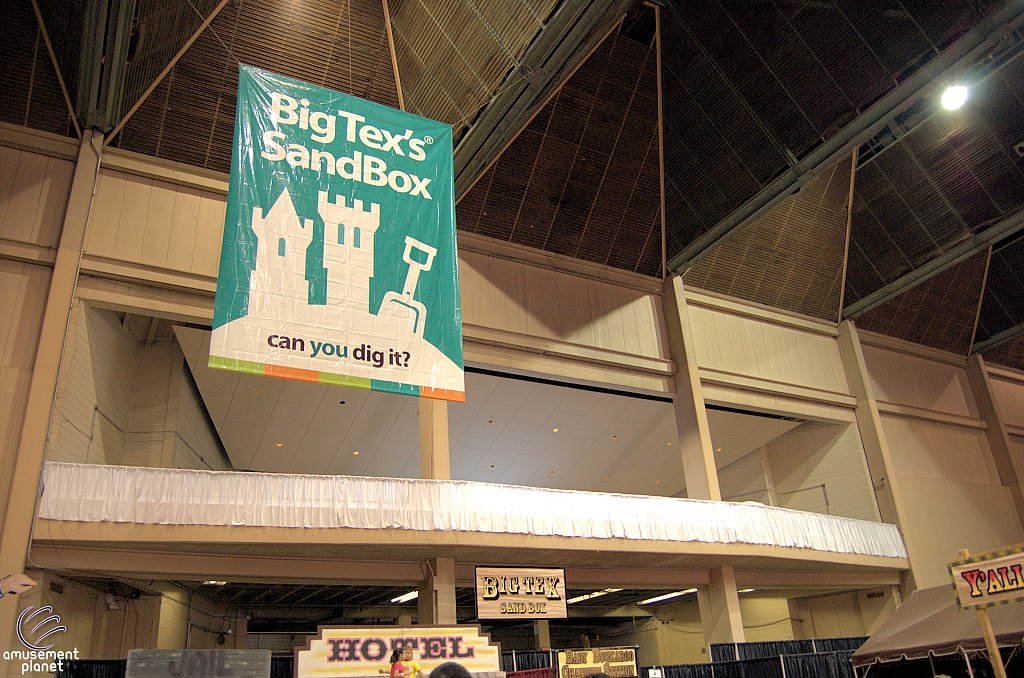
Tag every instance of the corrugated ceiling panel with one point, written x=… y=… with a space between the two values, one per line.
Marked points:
x=749 y=86
x=790 y=258
x=1003 y=305
x=454 y=55
x=29 y=91
x=583 y=178
x=954 y=174
x=939 y=312
x=190 y=116
x=1009 y=353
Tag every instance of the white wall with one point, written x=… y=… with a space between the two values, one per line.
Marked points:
x=951 y=494
x=817 y=453
x=120 y=401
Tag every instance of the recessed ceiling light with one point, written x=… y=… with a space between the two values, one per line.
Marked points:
x=657 y=482
x=356 y=453
x=341 y=402
x=667 y=596
x=607 y=477
x=954 y=97
x=490 y=421
x=745 y=591
x=554 y=430
x=258 y=391
x=669 y=442
x=492 y=465
x=615 y=437
x=552 y=472
x=406 y=597
x=280 y=444
x=718 y=449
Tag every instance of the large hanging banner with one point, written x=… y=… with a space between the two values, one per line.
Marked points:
x=339 y=263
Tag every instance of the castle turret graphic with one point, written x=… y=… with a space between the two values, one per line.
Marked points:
x=279 y=297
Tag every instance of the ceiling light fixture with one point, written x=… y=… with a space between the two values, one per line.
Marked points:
x=552 y=472
x=589 y=596
x=259 y=391
x=615 y=437
x=718 y=449
x=356 y=453
x=607 y=477
x=280 y=444
x=554 y=430
x=667 y=596
x=954 y=97
x=492 y=465
x=490 y=421
x=745 y=591
x=406 y=597
x=214 y=583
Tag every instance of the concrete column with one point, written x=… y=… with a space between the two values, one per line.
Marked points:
x=698 y=453
x=435 y=462
x=720 y=608
x=998 y=440
x=542 y=634
x=872 y=435
x=17 y=526
x=437 y=593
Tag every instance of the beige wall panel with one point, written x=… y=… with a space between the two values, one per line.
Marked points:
x=131 y=227
x=106 y=213
x=184 y=226
x=943 y=516
x=515 y=297
x=765 y=619
x=209 y=234
x=930 y=449
x=1009 y=398
x=22 y=300
x=159 y=217
x=815 y=454
x=910 y=380
x=33 y=195
x=764 y=350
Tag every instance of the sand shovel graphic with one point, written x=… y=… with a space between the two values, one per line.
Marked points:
x=403 y=305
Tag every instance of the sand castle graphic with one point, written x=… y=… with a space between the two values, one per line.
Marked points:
x=279 y=292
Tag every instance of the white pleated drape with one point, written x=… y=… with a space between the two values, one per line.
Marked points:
x=129 y=494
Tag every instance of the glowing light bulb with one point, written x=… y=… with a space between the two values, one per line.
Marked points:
x=954 y=97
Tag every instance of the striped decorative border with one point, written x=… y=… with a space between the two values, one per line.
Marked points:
x=332 y=379
x=980 y=558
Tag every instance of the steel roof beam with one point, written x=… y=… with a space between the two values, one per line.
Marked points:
x=999 y=338
x=944 y=68
x=558 y=49
x=965 y=250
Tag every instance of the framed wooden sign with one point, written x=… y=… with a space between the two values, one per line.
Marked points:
x=520 y=593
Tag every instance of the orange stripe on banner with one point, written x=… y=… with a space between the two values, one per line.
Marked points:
x=443 y=394
x=292 y=373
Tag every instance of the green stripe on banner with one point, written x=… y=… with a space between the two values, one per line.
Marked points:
x=236 y=365
x=396 y=387
x=344 y=380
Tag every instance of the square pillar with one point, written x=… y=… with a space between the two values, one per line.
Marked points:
x=720 y=608
x=695 y=447
x=542 y=634
x=437 y=593
x=435 y=460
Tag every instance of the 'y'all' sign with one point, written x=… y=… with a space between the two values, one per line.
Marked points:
x=339 y=263
x=991 y=578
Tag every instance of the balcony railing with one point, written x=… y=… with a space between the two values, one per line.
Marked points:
x=129 y=494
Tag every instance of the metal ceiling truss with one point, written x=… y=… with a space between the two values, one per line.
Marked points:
x=997 y=339
x=949 y=65
x=976 y=243
x=563 y=43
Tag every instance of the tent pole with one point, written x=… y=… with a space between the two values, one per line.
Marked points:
x=990 y=636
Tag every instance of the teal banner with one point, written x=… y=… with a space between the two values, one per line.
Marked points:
x=339 y=262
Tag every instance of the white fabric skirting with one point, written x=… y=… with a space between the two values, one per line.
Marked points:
x=129 y=494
